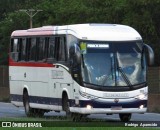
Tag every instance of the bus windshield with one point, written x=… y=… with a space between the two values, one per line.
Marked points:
x=113 y=63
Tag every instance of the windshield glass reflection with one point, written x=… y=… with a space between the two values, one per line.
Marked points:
x=115 y=64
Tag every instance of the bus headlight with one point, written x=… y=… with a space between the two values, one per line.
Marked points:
x=86 y=95
x=89 y=107
x=141 y=96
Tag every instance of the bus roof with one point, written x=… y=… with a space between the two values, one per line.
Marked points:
x=100 y=32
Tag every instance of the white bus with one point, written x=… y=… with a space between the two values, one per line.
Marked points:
x=81 y=69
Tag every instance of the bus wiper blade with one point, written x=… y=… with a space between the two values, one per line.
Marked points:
x=122 y=73
x=124 y=76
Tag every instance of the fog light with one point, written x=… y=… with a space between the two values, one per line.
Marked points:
x=77 y=102
x=89 y=107
x=141 y=106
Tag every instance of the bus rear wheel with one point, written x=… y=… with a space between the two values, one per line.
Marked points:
x=28 y=110
x=65 y=103
x=125 y=117
x=31 y=112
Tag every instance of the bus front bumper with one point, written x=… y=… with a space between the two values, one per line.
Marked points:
x=90 y=110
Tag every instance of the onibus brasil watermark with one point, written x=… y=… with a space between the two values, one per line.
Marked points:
x=21 y=124
x=79 y=124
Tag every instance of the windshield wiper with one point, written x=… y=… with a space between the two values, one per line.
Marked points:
x=83 y=64
x=124 y=76
x=122 y=73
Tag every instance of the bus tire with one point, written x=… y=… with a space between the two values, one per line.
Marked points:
x=28 y=109
x=65 y=105
x=125 y=117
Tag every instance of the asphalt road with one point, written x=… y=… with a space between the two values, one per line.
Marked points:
x=8 y=110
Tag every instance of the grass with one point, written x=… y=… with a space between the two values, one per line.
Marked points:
x=82 y=128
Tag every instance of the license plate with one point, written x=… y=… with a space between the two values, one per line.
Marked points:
x=116 y=108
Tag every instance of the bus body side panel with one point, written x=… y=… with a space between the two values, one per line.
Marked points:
x=60 y=81
x=34 y=79
x=44 y=85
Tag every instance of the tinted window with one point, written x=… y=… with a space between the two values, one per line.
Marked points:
x=62 y=49
x=41 y=48
x=51 y=50
x=15 y=49
x=23 y=49
x=33 y=49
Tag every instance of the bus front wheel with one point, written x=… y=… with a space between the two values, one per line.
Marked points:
x=125 y=117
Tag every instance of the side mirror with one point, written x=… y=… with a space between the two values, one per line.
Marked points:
x=75 y=63
x=75 y=54
x=150 y=54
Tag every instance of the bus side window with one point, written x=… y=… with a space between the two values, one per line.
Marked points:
x=62 y=49
x=41 y=49
x=15 y=49
x=22 y=49
x=46 y=50
x=51 y=49
x=32 y=56
x=28 y=46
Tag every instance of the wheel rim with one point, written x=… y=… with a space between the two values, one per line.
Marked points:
x=27 y=107
x=26 y=104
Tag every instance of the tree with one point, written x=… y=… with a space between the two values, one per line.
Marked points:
x=143 y=15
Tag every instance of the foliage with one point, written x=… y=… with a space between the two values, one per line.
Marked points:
x=143 y=15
